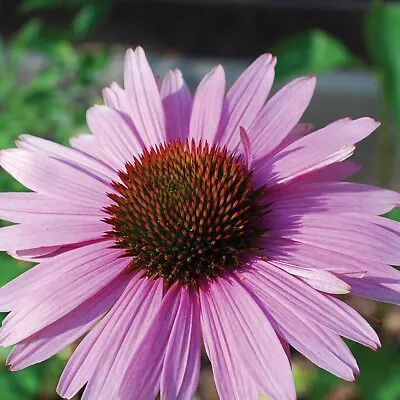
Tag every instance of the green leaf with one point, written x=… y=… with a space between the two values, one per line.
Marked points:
x=33 y=5
x=382 y=30
x=89 y=17
x=313 y=52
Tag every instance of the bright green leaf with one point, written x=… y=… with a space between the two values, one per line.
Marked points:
x=313 y=52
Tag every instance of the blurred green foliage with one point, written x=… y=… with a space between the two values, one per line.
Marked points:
x=50 y=101
x=312 y=52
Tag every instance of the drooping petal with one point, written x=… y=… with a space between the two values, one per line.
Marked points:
x=207 y=106
x=229 y=312
x=181 y=367
x=231 y=380
x=143 y=374
x=177 y=103
x=245 y=99
x=53 y=338
x=126 y=322
x=94 y=269
x=320 y=345
x=146 y=109
x=280 y=115
x=292 y=294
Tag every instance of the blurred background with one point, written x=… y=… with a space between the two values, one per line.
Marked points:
x=55 y=56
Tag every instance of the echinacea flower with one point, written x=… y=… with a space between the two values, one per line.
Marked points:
x=218 y=219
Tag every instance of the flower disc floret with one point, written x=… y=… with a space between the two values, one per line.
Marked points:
x=184 y=213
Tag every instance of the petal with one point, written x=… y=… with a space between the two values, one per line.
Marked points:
x=234 y=326
x=85 y=143
x=355 y=237
x=319 y=149
x=145 y=103
x=53 y=338
x=26 y=207
x=248 y=148
x=311 y=256
x=126 y=321
x=207 y=106
x=280 y=115
x=81 y=280
x=309 y=304
x=333 y=197
x=119 y=144
x=181 y=367
x=331 y=173
x=231 y=380
x=142 y=378
x=245 y=99
x=323 y=281
x=51 y=231
x=54 y=178
x=320 y=345
x=67 y=155
x=177 y=103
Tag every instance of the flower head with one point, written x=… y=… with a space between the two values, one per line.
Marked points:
x=218 y=219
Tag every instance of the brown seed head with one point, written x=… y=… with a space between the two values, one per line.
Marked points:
x=184 y=213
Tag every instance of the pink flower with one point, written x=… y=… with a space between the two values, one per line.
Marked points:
x=179 y=221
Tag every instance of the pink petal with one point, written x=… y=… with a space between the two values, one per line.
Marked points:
x=355 y=237
x=333 y=197
x=320 y=345
x=332 y=173
x=51 y=231
x=69 y=156
x=231 y=379
x=24 y=207
x=207 y=106
x=323 y=281
x=54 y=178
x=229 y=312
x=311 y=256
x=309 y=304
x=248 y=148
x=181 y=367
x=53 y=338
x=85 y=143
x=116 y=98
x=177 y=103
x=127 y=320
x=142 y=377
x=118 y=142
x=245 y=99
x=319 y=149
x=280 y=115
x=146 y=109
x=296 y=133
x=86 y=277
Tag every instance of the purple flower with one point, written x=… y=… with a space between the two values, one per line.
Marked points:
x=218 y=219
